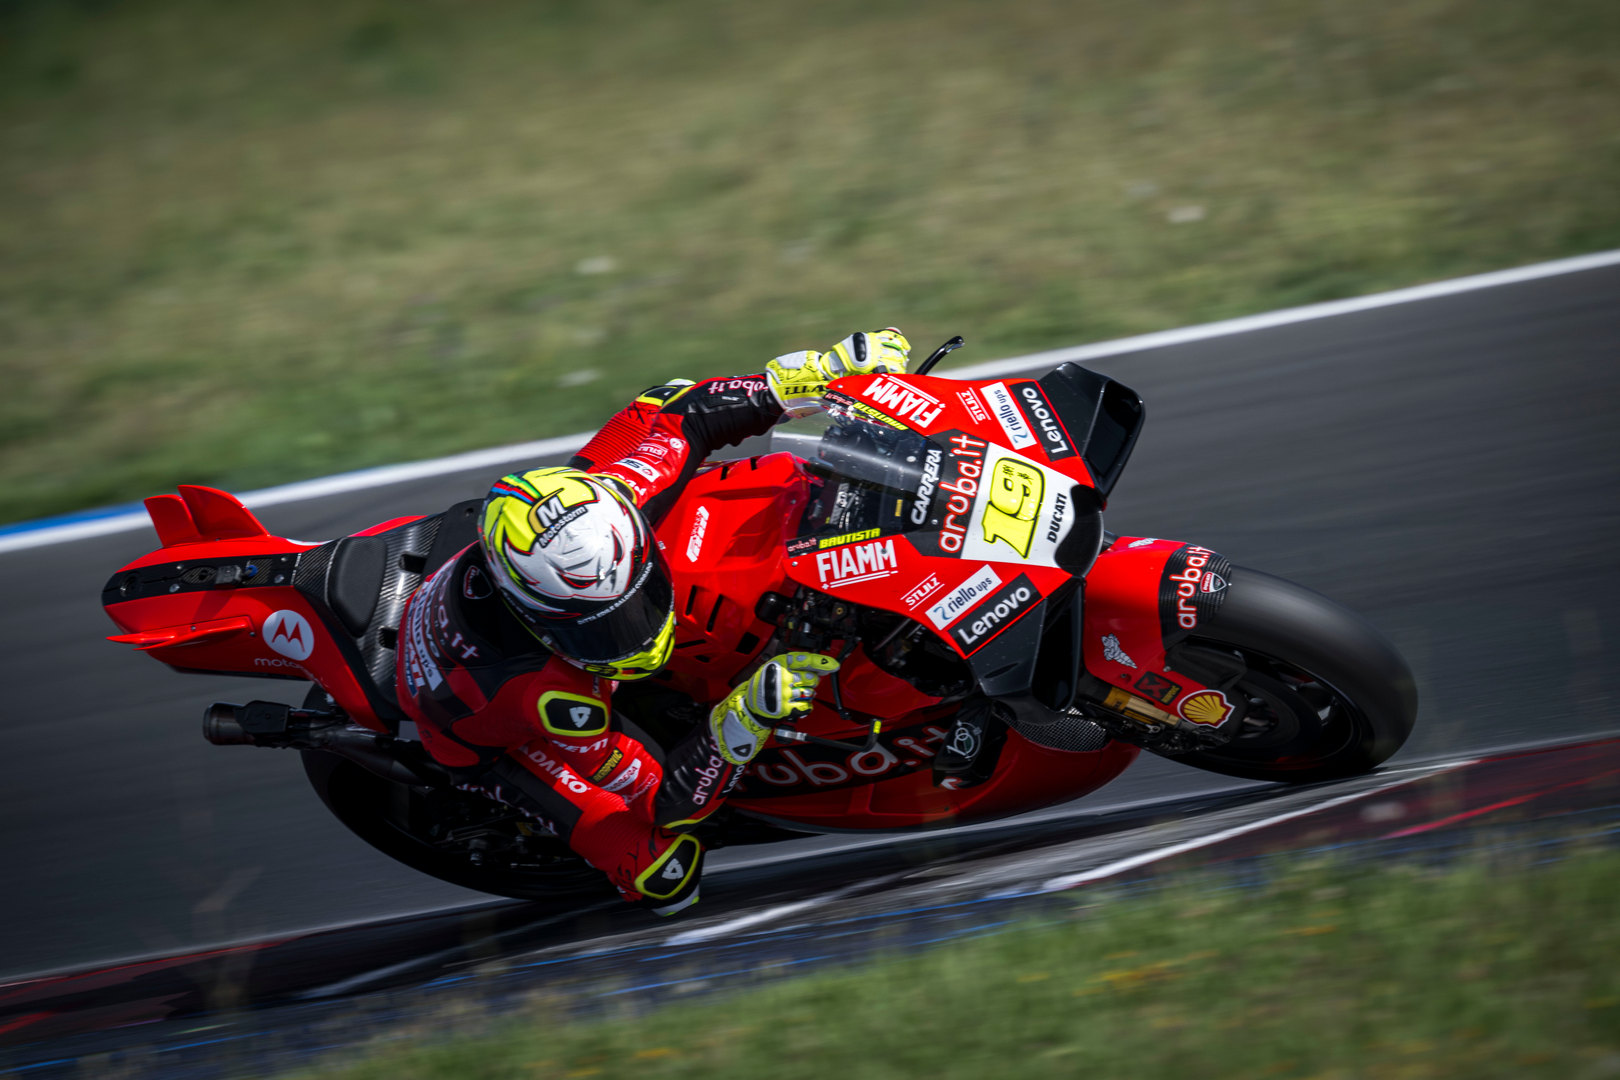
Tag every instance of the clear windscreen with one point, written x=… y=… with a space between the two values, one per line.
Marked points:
x=869 y=472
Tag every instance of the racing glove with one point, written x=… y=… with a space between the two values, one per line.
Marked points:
x=782 y=689
x=798 y=380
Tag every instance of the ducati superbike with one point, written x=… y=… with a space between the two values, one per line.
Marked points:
x=944 y=538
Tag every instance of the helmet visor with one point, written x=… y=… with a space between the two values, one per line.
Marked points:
x=629 y=625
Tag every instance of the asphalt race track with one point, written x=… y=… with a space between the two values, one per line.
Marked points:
x=1449 y=468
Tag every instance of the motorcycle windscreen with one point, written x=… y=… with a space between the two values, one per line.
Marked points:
x=952 y=495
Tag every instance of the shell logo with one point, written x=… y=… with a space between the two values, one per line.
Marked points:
x=1208 y=707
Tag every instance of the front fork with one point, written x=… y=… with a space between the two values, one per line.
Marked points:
x=1145 y=679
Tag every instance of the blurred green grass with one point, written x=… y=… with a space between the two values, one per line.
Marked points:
x=247 y=243
x=1329 y=972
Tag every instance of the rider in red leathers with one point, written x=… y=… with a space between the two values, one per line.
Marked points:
x=510 y=652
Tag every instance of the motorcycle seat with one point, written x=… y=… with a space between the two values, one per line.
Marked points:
x=359 y=585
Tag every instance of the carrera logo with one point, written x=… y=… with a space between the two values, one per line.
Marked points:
x=970 y=592
x=855 y=563
x=1005 y=410
x=289 y=634
x=926 y=486
x=921 y=591
x=970 y=402
x=700 y=525
x=1054 y=440
x=967 y=458
x=905 y=401
x=995 y=614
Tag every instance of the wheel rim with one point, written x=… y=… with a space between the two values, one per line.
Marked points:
x=1295 y=719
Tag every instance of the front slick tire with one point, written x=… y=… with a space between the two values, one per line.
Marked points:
x=1329 y=696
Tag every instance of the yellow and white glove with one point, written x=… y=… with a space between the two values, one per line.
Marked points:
x=782 y=689
x=798 y=380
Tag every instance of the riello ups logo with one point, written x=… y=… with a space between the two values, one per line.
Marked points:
x=1000 y=611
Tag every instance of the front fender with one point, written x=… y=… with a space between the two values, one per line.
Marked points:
x=1143 y=596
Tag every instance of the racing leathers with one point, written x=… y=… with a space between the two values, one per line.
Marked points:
x=539 y=732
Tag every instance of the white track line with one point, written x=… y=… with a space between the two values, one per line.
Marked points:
x=742 y=922
x=44 y=532
x=1120 y=866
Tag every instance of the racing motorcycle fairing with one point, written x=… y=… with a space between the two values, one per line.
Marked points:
x=224 y=596
x=967 y=509
x=1128 y=643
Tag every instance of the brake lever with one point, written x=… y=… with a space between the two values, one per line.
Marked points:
x=789 y=735
x=939 y=354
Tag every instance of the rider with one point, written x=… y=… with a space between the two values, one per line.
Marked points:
x=510 y=652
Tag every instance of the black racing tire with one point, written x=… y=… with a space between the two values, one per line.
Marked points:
x=1330 y=696
x=389 y=816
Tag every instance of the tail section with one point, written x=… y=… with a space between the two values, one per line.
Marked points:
x=200 y=514
x=224 y=595
x=199 y=602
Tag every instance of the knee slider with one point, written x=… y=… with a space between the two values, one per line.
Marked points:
x=670 y=883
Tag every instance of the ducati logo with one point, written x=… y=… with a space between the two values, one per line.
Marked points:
x=289 y=634
x=475 y=586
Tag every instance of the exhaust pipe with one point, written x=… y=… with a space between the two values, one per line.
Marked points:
x=221 y=727
x=269 y=724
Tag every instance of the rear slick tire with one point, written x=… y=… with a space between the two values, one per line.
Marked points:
x=386 y=815
x=1329 y=695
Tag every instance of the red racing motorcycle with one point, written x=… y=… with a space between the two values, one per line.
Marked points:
x=944 y=538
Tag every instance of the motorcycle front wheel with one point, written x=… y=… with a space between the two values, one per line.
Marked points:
x=1328 y=695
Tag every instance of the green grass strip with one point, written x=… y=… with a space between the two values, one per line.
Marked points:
x=1473 y=971
x=243 y=244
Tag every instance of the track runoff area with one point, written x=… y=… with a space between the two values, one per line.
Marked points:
x=774 y=911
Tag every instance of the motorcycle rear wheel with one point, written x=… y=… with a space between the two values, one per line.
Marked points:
x=1329 y=696
x=395 y=818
